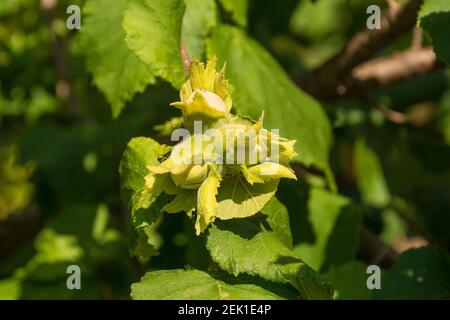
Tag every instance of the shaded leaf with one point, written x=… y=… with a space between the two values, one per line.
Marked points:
x=145 y=210
x=417 y=274
x=278 y=220
x=140 y=153
x=370 y=177
x=335 y=223
x=237 y=9
x=434 y=18
x=184 y=201
x=350 y=281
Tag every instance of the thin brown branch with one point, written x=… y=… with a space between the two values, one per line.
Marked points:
x=394 y=116
x=325 y=81
x=375 y=250
x=417 y=39
x=302 y=171
x=419 y=115
x=388 y=70
x=185 y=57
x=399 y=66
x=393 y=5
x=418 y=229
x=64 y=87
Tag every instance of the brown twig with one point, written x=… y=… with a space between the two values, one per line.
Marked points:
x=401 y=65
x=326 y=81
x=375 y=250
x=64 y=87
x=394 y=116
x=388 y=70
x=417 y=39
x=418 y=229
x=393 y=5
x=302 y=171
x=185 y=57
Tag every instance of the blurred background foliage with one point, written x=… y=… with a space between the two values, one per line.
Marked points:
x=60 y=150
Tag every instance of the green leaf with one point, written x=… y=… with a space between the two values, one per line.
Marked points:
x=370 y=177
x=417 y=274
x=117 y=72
x=264 y=86
x=394 y=226
x=335 y=223
x=185 y=201
x=145 y=211
x=237 y=9
x=10 y=289
x=434 y=18
x=139 y=153
x=143 y=240
x=90 y=224
x=199 y=18
x=141 y=245
x=259 y=173
x=350 y=281
x=44 y=275
x=207 y=202
x=320 y=19
x=238 y=199
x=153 y=31
x=194 y=285
x=260 y=248
x=278 y=220
x=155 y=184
